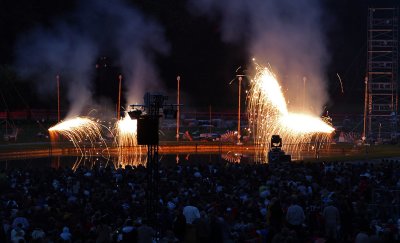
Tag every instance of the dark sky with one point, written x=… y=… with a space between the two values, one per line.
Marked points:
x=196 y=51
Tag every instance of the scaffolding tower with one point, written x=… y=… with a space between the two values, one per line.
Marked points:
x=381 y=98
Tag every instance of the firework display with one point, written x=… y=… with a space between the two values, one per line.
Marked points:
x=269 y=115
x=86 y=135
x=129 y=152
x=126 y=132
x=80 y=131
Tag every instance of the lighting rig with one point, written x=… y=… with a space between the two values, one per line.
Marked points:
x=147 y=117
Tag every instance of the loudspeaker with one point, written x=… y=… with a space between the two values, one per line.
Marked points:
x=147 y=131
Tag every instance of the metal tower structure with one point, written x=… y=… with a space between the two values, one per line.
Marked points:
x=382 y=75
x=147 y=117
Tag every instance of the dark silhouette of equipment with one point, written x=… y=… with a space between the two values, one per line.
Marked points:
x=276 y=154
x=148 y=116
x=147 y=131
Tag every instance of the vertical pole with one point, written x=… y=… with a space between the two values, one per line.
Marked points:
x=379 y=132
x=6 y=123
x=304 y=93
x=178 y=115
x=209 y=109
x=240 y=86
x=364 y=135
x=119 y=98
x=58 y=97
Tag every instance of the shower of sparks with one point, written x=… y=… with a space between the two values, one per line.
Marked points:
x=341 y=83
x=78 y=130
x=269 y=115
x=232 y=157
x=86 y=136
x=84 y=133
x=301 y=123
x=126 y=132
x=130 y=156
x=129 y=152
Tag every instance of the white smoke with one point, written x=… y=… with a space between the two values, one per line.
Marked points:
x=285 y=33
x=72 y=44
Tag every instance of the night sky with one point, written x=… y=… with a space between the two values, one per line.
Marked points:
x=167 y=38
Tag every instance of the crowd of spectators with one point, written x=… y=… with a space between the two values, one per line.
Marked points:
x=204 y=202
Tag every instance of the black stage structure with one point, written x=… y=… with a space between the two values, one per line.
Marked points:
x=148 y=116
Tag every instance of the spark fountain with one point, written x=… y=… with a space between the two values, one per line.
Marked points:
x=129 y=152
x=86 y=136
x=84 y=133
x=269 y=115
x=126 y=132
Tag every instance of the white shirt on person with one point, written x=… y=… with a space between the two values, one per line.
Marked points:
x=295 y=215
x=331 y=215
x=191 y=213
x=17 y=234
x=361 y=237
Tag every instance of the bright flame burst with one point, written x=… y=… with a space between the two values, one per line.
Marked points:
x=86 y=136
x=126 y=132
x=269 y=115
x=84 y=133
x=129 y=153
x=78 y=130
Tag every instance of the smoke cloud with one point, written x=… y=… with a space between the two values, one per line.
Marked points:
x=286 y=34
x=72 y=44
